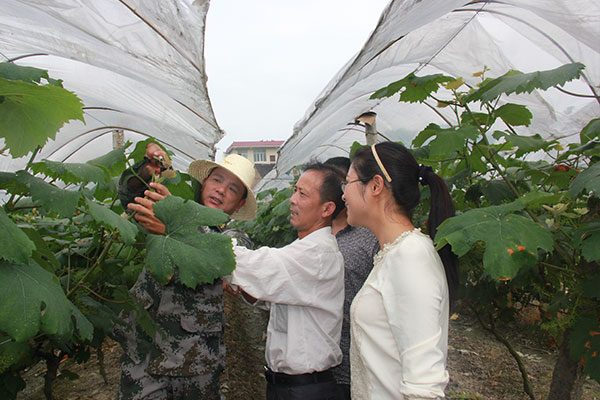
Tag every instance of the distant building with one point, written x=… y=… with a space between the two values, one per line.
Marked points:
x=259 y=152
x=263 y=153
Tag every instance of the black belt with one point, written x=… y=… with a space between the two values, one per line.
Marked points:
x=279 y=378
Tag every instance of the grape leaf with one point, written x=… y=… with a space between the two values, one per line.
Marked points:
x=420 y=153
x=179 y=187
x=588 y=179
x=458 y=178
x=355 y=146
x=476 y=118
x=113 y=161
x=9 y=182
x=265 y=194
x=416 y=88
x=70 y=172
x=11 y=353
x=49 y=196
x=105 y=216
x=478 y=158
x=514 y=114
x=590 y=131
x=510 y=239
x=31 y=114
x=84 y=326
x=282 y=208
x=104 y=191
x=42 y=253
x=453 y=85
x=199 y=257
x=535 y=199
x=518 y=82
x=32 y=301
x=16 y=72
x=591 y=286
x=99 y=314
x=497 y=191
x=584 y=342
x=14 y=244
x=446 y=141
x=588 y=238
x=139 y=151
x=525 y=144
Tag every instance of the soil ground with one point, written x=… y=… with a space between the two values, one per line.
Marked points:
x=480 y=367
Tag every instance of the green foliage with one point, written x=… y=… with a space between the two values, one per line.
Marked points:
x=15 y=246
x=587 y=237
x=587 y=180
x=15 y=72
x=48 y=196
x=518 y=82
x=524 y=144
x=511 y=240
x=271 y=226
x=140 y=149
x=179 y=186
x=414 y=88
x=67 y=256
x=112 y=162
x=355 y=146
x=591 y=131
x=527 y=232
x=69 y=172
x=39 y=305
x=445 y=142
x=584 y=342
x=590 y=287
x=11 y=353
x=42 y=254
x=33 y=113
x=496 y=191
x=105 y=216
x=513 y=114
x=199 y=258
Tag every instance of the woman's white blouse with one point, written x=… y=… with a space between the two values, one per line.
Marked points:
x=399 y=324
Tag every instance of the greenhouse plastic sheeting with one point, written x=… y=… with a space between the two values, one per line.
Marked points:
x=137 y=65
x=456 y=38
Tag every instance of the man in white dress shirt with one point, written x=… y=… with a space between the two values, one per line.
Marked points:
x=302 y=284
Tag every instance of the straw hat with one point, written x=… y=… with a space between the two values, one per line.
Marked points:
x=240 y=167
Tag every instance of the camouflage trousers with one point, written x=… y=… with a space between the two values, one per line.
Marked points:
x=137 y=384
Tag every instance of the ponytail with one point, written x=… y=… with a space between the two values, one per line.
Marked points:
x=403 y=174
x=440 y=209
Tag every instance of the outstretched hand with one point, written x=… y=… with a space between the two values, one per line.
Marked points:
x=144 y=211
x=158 y=159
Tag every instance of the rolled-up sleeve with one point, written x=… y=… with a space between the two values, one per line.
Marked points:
x=286 y=275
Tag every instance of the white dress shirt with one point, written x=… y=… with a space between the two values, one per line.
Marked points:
x=303 y=285
x=399 y=324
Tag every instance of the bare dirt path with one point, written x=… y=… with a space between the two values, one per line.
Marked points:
x=480 y=367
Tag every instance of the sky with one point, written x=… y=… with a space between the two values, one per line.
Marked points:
x=268 y=60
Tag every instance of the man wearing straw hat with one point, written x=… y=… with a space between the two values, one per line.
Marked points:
x=185 y=359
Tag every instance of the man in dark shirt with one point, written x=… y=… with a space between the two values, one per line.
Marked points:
x=358 y=246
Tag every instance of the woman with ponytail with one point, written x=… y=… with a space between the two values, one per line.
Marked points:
x=399 y=319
